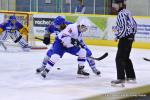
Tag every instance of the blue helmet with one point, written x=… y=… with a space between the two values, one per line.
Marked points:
x=59 y=20
x=13 y=17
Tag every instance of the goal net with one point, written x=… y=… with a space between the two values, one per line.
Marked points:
x=26 y=19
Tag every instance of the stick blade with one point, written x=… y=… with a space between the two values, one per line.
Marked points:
x=103 y=56
x=146 y=59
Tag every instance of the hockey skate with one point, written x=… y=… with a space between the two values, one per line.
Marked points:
x=96 y=71
x=118 y=83
x=81 y=71
x=44 y=72
x=26 y=48
x=131 y=80
x=39 y=70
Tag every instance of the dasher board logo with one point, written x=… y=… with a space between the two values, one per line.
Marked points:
x=42 y=22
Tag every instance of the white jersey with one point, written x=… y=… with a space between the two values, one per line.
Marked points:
x=71 y=31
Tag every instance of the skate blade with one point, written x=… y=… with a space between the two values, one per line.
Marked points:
x=37 y=72
x=98 y=75
x=118 y=85
x=43 y=77
x=82 y=76
x=131 y=82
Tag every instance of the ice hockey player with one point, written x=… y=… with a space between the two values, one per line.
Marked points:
x=53 y=29
x=15 y=30
x=126 y=30
x=63 y=43
x=58 y=25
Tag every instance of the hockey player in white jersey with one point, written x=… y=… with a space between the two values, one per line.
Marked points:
x=15 y=30
x=61 y=22
x=65 y=43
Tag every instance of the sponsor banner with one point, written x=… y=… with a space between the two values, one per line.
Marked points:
x=104 y=29
x=40 y=22
x=100 y=27
x=143 y=31
x=96 y=26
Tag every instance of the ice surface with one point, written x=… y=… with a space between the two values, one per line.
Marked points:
x=18 y=80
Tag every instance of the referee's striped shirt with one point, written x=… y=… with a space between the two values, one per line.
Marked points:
x=126 y=25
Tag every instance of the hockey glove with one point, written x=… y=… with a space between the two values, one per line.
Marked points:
x=24 y=31
x=75 y=42
x=66 y=41
x=46 y=39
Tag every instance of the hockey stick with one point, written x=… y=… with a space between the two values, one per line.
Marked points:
x=39 y=38
x=146 y=59
x=98 y=59
x=101 y=57
x=1 y=43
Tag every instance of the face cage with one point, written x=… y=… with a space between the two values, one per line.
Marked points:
x=13 y=21
x=83 y=28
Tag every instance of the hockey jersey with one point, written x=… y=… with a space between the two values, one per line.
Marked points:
x=9 y=27
x=53 y=30
x=71 y=31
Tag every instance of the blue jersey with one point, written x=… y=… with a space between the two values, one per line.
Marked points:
x=52 y=28
x=9 y=27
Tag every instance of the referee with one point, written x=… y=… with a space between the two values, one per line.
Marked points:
x=125 y=31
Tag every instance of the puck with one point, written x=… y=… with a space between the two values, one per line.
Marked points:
x=58 y=68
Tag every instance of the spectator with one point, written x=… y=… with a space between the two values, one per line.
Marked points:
x=80 y=8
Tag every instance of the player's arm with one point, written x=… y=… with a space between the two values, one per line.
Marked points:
x=121 y=25
x=65 y=37
x=22 y=29
x=48 y=31
x=82 y=43
x=78 y=42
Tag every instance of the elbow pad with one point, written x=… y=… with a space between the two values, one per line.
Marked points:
x=24 y=31
x=1 y=30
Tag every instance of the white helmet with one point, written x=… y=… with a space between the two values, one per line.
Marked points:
x=84 y=22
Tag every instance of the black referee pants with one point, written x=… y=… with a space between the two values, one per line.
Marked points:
x=123 y=63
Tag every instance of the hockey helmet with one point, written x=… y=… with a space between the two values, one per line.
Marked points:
x=13 y=17
x=84 y=25
x=59 y=20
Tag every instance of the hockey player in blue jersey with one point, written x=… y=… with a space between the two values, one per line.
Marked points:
x=63 y=43
x=54 y=28
x=58 y=25
x=15 y=30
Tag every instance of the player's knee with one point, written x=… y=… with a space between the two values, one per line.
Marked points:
x=91 y=61
x=55 y=57
x=49 y=52
x=88 y=52
x=82 y=53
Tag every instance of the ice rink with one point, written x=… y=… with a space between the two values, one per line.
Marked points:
x=18 y=80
